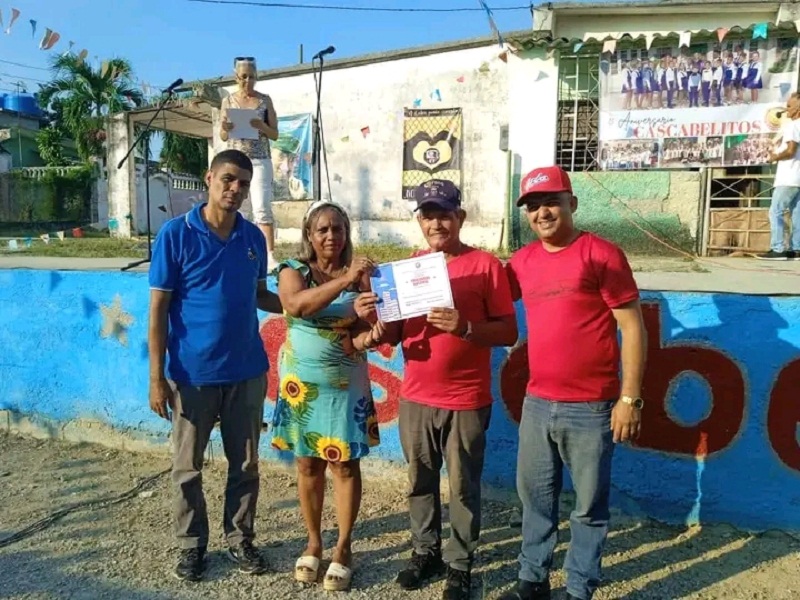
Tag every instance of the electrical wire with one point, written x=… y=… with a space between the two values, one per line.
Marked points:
x=526 y=7
x=52 y=518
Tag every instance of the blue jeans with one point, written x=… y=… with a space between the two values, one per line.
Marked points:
x=784 y=198
x=552 y=435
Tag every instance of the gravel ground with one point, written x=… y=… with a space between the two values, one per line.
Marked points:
x=125 y=551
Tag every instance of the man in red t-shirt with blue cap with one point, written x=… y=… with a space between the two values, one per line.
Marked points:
x=577 y=290
x=446 y=396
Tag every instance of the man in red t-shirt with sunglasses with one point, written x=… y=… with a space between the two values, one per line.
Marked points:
x=577 y=290
x=446 y=397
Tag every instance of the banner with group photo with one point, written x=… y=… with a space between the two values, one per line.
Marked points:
x=432 y=147
x=292 y=158
x=708 y=105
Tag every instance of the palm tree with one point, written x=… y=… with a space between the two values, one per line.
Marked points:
x=85 y=96
x=184 y=154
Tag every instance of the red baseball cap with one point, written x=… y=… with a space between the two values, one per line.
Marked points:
x=545 y=180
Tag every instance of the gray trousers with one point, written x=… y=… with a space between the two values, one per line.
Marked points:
x=430 y=437
x=240 y=409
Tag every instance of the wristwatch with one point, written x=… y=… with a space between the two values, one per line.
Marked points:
x=636 y=403
x=467 y=335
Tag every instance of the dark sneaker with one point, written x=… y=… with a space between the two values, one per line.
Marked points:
x=772 y=255
x=191 y=565
x=527 y=590
x=458 y=585
x=248 y=558
x=793 y=255
x=419 y=569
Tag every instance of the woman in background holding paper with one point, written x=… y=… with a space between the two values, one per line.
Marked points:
x=248 y=122
x=325 y=413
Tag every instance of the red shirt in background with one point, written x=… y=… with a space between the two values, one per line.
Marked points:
x=573 y=352
x=441 y=369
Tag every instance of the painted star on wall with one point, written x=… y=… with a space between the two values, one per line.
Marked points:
x=115 y=321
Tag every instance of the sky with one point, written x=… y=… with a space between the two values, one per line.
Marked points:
x=168 y=39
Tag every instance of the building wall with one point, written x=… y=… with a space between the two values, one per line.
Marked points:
x=613 y=203
x=720 y=423
x=366 y=170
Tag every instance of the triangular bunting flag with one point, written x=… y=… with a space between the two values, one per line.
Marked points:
x=492 y=24
x=14 y=16
x=460 y=79
x=503 y=56
x=550 y=53
x=28 y=242
x=609 y=46
x=721 y=33
x=54 y=37
x=13 y=245
x=82 y=56
x=760 y=31
x=60 y=235
x=33 y=27
x=648 y=39
x=365 y=131
x=46 y=38
x=104 y=69
x=45 y=238
x=685 y=39
x=577 y=47
x=436 y=95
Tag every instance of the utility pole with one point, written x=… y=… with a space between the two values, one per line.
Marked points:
x=19 y=126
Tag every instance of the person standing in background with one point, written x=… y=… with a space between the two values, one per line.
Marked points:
x=258 y=151
x=786 y=192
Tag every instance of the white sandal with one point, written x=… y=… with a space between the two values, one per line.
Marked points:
x=306 y=569
x=337 y=578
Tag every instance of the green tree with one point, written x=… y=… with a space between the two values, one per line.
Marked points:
x=81 y=97
x=184 y=154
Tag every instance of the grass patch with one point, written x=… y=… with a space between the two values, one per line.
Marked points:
x=87 y=247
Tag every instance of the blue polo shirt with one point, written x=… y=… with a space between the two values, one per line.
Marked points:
x=213 y=334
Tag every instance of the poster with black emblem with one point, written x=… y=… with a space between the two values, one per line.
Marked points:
x=432 y=147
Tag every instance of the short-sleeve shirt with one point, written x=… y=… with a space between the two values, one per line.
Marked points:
x=213 y=336
x=441 y=369
x=788 y=171
x=573 y=352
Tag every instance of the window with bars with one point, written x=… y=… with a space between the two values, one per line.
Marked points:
x=578 y=112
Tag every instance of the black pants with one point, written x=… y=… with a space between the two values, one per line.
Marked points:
x=457 y=438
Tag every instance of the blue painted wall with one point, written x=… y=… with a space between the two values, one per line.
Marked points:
x=722 y=390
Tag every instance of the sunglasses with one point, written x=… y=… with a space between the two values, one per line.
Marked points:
x=245 y=59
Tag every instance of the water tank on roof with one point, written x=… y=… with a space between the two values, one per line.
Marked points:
x=24 y=104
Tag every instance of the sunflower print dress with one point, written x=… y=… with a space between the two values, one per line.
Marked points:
x=325 y=408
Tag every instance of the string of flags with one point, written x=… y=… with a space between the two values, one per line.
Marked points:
x=51 y=38
x=760 y=31
x=26 y=242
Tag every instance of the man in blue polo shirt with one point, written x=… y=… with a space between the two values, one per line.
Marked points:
x=207 y=362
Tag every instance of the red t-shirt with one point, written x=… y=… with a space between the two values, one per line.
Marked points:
x=441 y=369
x=573 y=352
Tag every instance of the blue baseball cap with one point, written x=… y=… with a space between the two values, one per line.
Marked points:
x=439 y=192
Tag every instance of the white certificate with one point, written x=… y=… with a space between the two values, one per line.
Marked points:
x=412 y=287
x=241 y=117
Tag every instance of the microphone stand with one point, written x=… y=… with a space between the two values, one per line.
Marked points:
x=319 y=136
x=143 y=134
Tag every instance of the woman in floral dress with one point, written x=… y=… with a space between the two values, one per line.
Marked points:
x=325 y=413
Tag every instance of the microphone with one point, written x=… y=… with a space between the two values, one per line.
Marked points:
x=321 y=53
x=175 y=84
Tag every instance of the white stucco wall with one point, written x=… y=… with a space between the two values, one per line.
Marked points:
x=366 y=172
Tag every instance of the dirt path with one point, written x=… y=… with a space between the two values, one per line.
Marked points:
x=126 y=551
